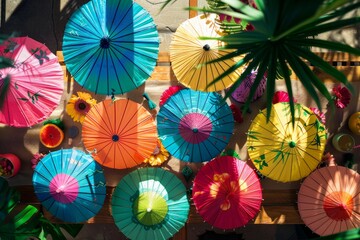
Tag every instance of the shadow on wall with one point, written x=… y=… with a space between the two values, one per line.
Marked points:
x=41 y=20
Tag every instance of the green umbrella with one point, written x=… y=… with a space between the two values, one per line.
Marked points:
x=150 y=203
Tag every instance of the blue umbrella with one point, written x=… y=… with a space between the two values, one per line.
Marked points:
x=195 y=126
x=110 y=46
x=150 y=203
x=70 y=185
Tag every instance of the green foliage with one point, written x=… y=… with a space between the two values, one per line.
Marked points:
x=283 y=39
x=29 y=221
x=352 y=234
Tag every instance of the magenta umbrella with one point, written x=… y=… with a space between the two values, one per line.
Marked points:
x=227 y=192
x=32 y=89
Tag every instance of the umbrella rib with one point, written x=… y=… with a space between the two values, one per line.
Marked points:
x=116 y=73
x=122 y=15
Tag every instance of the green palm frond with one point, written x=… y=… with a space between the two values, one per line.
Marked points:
x=284 y=38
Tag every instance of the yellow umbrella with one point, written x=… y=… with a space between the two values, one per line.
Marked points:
x=187 y=51
x=282 y=151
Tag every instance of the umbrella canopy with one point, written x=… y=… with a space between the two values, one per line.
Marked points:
x=32 y=89
x=227 y=192
x=111 y=46
x=283 y=151
x=188 y=51
x=329 y=200
x=195 y=126
x=120 y=134
x=70 y=185
x=242 y=92
x=150 y=203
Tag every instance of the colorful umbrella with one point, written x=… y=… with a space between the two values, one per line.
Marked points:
x=150 y=203
x=195 y=126
x=110 y=47
x=70 y=185
x=242 y=92
x=32 y=89
x=283 y=151
x=227 y=192
x=120 y=134
x=187 y=52
x=329 y=200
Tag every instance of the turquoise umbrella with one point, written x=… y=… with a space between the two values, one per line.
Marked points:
x=110 y=46
x=195 y=126
x=70 y=185
x=150 y=203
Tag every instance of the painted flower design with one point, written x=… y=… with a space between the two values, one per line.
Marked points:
x=341 y=96
x=159 y=156
x=320 y=115
x=79 y=105
x=226 y=189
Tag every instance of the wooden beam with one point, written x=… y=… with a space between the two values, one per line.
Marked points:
x=344 y=62
x=193 y=13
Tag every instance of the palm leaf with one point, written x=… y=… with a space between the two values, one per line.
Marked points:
x=283 y=31
x=29 y=222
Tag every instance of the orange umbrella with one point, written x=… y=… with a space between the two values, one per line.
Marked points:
x=329 y=200
x=120 y=134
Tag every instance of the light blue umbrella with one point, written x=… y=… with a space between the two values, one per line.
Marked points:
x=150 y=203
x=195 y=126
x=70 y=185
x=110 y=46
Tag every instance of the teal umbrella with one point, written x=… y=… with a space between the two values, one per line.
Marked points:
x=150 y=203
x=110 y=46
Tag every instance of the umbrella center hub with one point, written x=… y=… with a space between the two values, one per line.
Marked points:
x=115 y=138
x=292 y=144
x=64 y=188
x=338 y=205
x=206 y=47
x=150 y=208
x=105 y=42
x=195 y=128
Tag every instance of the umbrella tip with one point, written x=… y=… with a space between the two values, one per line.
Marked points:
x=105 y=42
x=206 y=47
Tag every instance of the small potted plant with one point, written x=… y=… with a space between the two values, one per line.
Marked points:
x=9 y=165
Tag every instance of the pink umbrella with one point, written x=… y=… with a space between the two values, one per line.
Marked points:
x=329 y=200
x=32 y=89
x=227 y=192
x=242 y=92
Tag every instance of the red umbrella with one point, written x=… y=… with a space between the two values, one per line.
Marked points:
x=329 y=200
x=227 y=192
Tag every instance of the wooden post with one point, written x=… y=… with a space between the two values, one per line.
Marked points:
x=193 y=3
